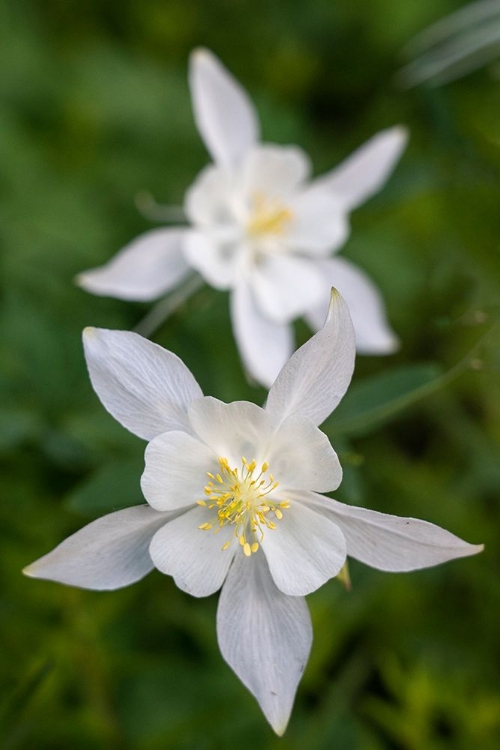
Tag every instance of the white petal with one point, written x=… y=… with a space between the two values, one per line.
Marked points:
x=208 y=200
x=300 y=457
x=264 y=636
x=146 y=388
x=264 y=346
x=215 y=256
x=304 y=550
x=319 y=224
x=373 y=333
x=274 y=172
x=316 y=377
x=193 y=556
x=107 y=554
x=232 y=430
x=364 y=172
x=144 y=269
x=176 y=470
x=392 y=543
x=284 y=287
x=224 y=115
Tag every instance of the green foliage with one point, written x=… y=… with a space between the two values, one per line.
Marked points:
x=95 y=109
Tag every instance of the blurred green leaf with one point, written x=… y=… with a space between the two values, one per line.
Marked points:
x=372 y=402
x=18 y=699
x=352 y=490
x=110 y=488
x=17 y=426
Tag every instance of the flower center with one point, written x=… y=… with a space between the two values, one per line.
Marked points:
x=241 y=497
x=268 y=216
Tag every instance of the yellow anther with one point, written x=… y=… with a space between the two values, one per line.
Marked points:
x=242 y=498
x=269 y=216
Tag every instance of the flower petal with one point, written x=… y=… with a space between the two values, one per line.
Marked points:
x=146 y=388
x=224 y=115
x=208 y=200
x=264 y=346
x=364 y=172
x=193 y=556
x=373 y=333
x=264 y=636
x=232 y=430
x=176 y=470
x=274 y=172
x=392 y=543
x=284 y=287
x=109 y=553
x=215 y=256
x=300 y=457
x=320 y=223
x=144 y=269
x=316 y=377
x=304 y=550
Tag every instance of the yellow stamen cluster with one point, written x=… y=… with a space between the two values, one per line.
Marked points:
x=242 y=499
x=268 y=217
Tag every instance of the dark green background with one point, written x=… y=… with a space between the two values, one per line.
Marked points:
x=94 y=107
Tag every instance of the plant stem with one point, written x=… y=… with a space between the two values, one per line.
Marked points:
x=165 y=307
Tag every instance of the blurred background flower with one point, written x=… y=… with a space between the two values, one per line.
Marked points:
x=260 y=229
x=95 y=110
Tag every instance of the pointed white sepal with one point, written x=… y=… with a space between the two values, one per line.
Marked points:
x=108 y=553
x=264 y=635
x=317 y=375
x=223 y=111
x=264 y=346
x=146 y=268
x=392 y=543
x=366 y=306
x=146 y=388
x=366 y=170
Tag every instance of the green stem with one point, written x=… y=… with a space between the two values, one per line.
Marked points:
x=165 y=307
x=470 y=361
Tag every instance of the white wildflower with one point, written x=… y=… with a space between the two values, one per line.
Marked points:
x=233 y=502
x=261 y=228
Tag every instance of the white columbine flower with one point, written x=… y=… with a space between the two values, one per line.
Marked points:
x=262 y=228
x=232 y=492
